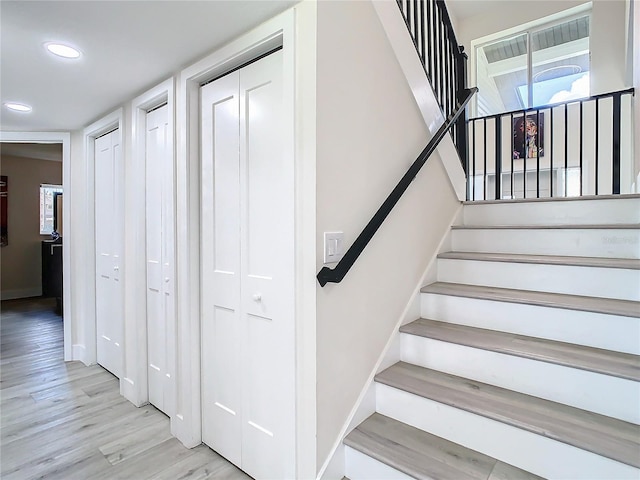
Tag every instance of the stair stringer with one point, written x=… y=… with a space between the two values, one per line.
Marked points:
x=334 y=467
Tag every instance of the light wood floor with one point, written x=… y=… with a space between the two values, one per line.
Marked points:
x=67 y=421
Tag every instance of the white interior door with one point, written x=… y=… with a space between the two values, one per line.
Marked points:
x=108 y=218
x=247 y=272
x=159 y=256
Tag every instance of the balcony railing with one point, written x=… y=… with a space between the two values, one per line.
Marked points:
x=575 y=148
x=443 y=59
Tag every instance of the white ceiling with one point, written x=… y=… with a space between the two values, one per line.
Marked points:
x=127 y=47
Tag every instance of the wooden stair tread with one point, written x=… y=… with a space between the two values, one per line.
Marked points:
x=424 y=456
x=609 y=306
x=605 y=436
x=603 y=262
x=612 y=226
x=623 y=365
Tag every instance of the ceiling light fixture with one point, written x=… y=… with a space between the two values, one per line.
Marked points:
x=61 y=50
x=18 y=107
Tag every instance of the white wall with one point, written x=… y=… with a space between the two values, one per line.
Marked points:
x=78 y=277
x=369 y=130
x=608 y=46
x=22 y=257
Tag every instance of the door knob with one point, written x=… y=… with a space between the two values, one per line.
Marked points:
x=257 y=297
x=115 y=269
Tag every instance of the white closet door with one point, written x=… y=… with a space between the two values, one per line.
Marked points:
x=247 y=272
x=160 y=254
x=108 y=218
x=267 y=295
x=221 y=332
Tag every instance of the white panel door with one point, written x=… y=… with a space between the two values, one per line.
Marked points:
x=108 y=218
x=160 y=258
x=221 y=332
x=247 y=272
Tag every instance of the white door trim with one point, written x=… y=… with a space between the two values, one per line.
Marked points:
x=65 y=139
x=104 y=125
x=279 y=31
x=136 y=390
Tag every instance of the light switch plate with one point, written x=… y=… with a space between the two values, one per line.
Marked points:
x=333 y=246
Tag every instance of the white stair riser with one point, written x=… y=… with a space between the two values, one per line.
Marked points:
x=359 y=466
x=608 y=243
x=528 y=451
x=610 y=332
x=574 y=212
x=623 y=284
x=579 y=388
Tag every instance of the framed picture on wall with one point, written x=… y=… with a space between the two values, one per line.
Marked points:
x=528 y=136
x=4 y=234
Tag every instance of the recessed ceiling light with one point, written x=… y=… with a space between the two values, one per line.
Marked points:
x=61 y=50
x=17 y=107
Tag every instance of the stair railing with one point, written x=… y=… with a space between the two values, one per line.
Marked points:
x=566 y=149
x=442 y=58
x=335 y=275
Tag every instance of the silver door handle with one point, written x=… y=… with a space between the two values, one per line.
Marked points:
x=115 y=269
x=257 y=297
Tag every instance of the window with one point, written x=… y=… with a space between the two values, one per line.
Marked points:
x=537 y=66
x=47 y=211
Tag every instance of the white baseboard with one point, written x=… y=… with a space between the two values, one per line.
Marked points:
x=181 y=432
x=21 y=293
x=128 y=391
x=79 y=353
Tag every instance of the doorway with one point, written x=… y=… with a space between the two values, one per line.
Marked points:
x=64 y=139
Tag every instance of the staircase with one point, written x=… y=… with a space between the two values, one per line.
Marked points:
x=526 y=361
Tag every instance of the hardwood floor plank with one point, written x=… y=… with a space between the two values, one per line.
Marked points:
x=67 y=421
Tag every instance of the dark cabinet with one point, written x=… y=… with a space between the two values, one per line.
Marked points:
x=52 y=270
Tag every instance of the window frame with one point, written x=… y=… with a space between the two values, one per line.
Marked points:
x=527 y=29
x=43 y=215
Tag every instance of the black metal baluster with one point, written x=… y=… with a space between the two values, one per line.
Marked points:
x=429 y=22
x=511 y=128
x=415 y=22
x=441 y=56
x=446 y=83
x=484 y=172
x=537 y=153
x=407 y=4
x=581 y=130
x=474 y=159
x=423 y=23
x=461 y=67
x=551 y=152
x=615 y=187
x=566 y=150
x=498 y=167
x=524 y=158
x=597 y=140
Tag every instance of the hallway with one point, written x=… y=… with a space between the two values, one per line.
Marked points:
x=67 y=421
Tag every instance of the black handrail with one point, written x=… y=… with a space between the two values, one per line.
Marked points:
x=335 y=275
